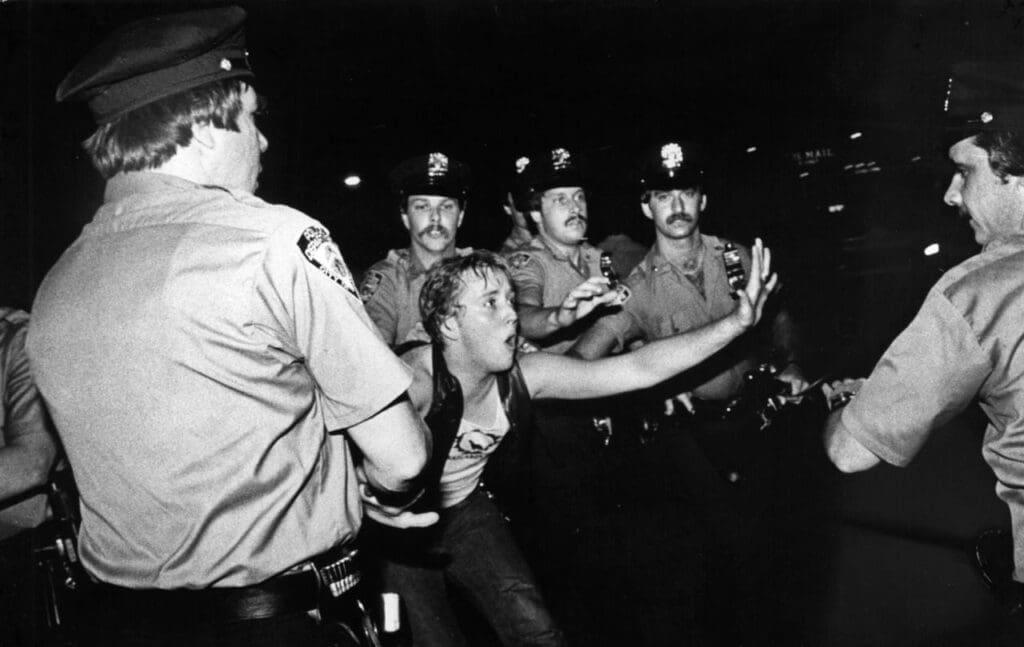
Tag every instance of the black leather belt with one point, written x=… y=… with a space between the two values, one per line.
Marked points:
x=296 y=591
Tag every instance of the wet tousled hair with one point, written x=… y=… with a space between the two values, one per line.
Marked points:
x=445 y=283
x=147 y=137
x=1005 y=152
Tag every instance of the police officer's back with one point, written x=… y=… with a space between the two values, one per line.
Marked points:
x=195 y=346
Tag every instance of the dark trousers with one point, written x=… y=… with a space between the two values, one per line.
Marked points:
x=291 y=610
x=472 y=554
x=109 y=627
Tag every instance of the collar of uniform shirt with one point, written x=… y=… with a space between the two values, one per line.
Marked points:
x=690 y=266
x=1016 y=239
x=581 y=267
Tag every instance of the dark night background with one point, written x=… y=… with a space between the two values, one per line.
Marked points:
x=358 y=86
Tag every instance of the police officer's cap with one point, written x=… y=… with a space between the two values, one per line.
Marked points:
x=431 y=174
x=156 y=57
x=552 y=168
x=985 y=96
x=671 y=165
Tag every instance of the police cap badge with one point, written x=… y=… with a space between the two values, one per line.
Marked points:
x=431 y=174
x=671 y=165
x=552 y=168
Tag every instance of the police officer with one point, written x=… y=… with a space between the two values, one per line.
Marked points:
x=557 y=275
x=681 y=284
x=432 y=191
x=625 y=252
x=516 y=207
x=964 y=344
x=207 y=361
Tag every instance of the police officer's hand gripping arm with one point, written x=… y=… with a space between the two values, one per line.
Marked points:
x=394 y=443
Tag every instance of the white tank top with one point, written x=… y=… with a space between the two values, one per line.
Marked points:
x=474 y=444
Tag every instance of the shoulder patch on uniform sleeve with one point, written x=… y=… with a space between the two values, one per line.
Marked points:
x=518 y=260
x=323 y=253
x=368 y=287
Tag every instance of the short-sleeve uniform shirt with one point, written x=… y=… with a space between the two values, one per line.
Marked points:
x=390 y=290
x=195 y=346
x=544 y=277
x=966 y=342
x=665 y=302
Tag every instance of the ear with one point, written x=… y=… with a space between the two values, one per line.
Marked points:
x=450 y=328
x=646 y=208
x=535 y=216
x=203 y=135
x=405 y=221
x=703 y=201
x=462 y=214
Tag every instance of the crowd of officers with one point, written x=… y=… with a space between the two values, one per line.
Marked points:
x=255 y=436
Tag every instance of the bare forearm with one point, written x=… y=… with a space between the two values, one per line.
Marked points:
x=595 y=343
x=664 y=358
x=553 y=376
x=395 y=445
x=536 y=322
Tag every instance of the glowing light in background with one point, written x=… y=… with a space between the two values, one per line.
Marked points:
x=931 y=250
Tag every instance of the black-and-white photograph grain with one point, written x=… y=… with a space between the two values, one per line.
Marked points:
x=474 y=323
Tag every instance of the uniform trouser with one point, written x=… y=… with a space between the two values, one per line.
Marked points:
x=473 y=555
x=111 y=628
x=293 y=609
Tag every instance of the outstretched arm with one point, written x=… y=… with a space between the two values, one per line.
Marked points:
x=596 y=342
x=552 y=376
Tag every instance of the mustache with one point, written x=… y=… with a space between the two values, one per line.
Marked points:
x=679 y=216
x=434 y=229
x=582 y=219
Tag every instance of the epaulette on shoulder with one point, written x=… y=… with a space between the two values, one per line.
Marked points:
x=368 y=286
x=399 y=256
